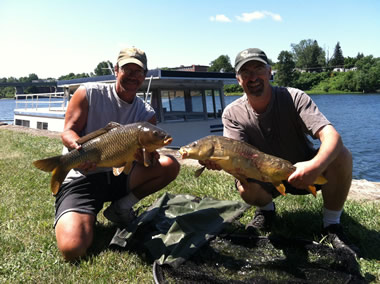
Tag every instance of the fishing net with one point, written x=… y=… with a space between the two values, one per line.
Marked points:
x=248 y=259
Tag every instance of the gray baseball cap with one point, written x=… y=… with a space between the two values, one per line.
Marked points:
x=250 y=54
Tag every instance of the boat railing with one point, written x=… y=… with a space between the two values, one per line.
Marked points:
x=50 y=101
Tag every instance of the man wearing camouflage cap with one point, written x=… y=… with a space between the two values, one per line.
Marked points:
x=92 y=107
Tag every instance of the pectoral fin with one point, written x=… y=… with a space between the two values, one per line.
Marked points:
x=147 y=158
x=199 y=171
x=312 y=190
x=124 y=169
x=281 y=189
x=224 y=158
x=117 y=171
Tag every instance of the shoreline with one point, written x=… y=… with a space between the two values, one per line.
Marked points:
x=361 y=189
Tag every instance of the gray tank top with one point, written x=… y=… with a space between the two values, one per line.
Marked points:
x=104 y=106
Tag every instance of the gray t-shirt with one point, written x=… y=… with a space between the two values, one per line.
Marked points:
x=104 y=106
x=282 y=129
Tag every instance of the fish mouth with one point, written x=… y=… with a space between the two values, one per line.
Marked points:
x=184 y=154
x=168 y=140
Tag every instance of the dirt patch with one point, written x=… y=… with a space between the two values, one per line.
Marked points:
x=360 y=190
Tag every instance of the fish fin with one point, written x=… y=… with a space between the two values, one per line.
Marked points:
x=127 y=168
x=58 y=176
x=320 y=180
x=281 y=188
x=117 y=171
x=224 y=158
x=47 y=165
x=312 y=190
x=147 y=158
x=199 y=171
x=98 y=132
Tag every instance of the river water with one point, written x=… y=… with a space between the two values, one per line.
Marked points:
x=356 y=117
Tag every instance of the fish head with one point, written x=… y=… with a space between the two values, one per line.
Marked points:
x=199 y=150
x=152 y=137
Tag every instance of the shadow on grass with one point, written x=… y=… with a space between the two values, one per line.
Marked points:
x=308 y=226
x=103 y=235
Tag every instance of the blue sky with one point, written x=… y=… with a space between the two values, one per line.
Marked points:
x=53 y=38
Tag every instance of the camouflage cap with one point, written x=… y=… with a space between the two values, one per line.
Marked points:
x=250 y=54
x=132 y=55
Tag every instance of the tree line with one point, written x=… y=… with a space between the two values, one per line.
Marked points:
x=306 y=66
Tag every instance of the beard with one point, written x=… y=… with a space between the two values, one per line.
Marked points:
x=129 y=84
x=255 y=88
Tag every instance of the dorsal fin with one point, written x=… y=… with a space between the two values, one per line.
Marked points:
x=98 y=132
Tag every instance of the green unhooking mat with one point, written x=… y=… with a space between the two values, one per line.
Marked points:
x=176 y=226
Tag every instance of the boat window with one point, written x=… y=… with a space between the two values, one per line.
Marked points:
x=173 y=101
x=196 y=102
x=213 y=103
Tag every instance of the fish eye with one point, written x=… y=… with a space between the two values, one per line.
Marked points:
x=194 y=144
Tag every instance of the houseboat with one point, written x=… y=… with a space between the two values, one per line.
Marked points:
x=188 y=104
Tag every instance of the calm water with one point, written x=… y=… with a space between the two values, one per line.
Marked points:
x=356 y=117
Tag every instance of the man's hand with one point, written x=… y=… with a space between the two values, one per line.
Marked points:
x=304 y=175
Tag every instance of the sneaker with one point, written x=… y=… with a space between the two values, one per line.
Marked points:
x=121 y=217
x=262 y=220
x=335 y=235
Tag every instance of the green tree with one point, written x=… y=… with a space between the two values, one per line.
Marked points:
x=308 y=55
x=285 y=69
x=104 y=68
x=221 y=64
x=337 y=59
x=71 y=76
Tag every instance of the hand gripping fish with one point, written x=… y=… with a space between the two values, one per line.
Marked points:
x=112 y=146
x=243 y=161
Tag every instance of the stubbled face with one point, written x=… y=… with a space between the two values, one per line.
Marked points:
x=129 y=79
x=197 y=150
x=254 y=78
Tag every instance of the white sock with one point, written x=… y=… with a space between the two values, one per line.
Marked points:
x=126 y=202
x=268 y=207
x=331 y=217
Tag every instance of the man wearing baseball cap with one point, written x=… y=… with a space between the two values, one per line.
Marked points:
x=86 y=189
x=277 y=121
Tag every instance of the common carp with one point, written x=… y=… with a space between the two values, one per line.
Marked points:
x=112 y=146
x=243 y=161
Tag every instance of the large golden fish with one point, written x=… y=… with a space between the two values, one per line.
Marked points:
x=243 y=161
x=112 y=146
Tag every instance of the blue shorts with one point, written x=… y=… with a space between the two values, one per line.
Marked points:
x=87 y=194
x=270 y=188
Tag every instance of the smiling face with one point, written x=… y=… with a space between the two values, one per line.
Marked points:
x=254 y=78
x=129 y=79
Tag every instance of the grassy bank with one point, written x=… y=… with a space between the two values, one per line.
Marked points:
x=28 y=252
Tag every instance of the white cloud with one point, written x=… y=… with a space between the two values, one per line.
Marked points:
x=220 y=18
x=258 y=15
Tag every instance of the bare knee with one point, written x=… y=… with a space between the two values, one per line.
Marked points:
x=254 y=194
x=171 y=165
x=341 y=167
x=74 y=234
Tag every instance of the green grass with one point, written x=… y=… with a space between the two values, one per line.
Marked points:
x=28 y=251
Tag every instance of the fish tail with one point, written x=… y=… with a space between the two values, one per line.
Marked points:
x=47 y=165
x=58 y=176
x=313 y=190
